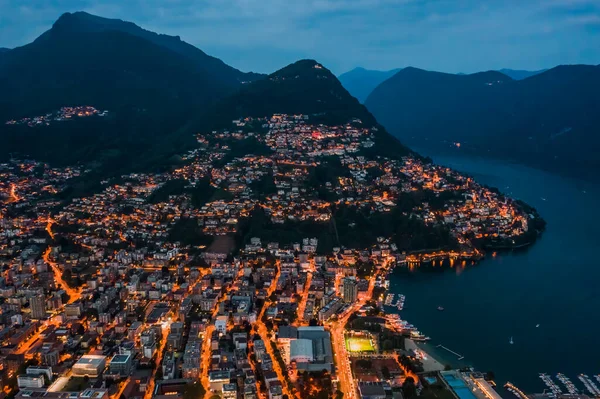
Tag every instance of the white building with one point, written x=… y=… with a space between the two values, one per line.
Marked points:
x=90 y=365
x=221 y=324
x=30 y=381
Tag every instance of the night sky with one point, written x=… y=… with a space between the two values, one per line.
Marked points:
x=264 y=35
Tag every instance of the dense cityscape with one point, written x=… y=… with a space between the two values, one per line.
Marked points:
x=203 y=280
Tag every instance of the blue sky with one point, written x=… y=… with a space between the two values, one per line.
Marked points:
x=264 y=35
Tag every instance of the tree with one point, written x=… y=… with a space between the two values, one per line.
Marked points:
x=364 y=364
x=193 y=391
x=387 y=345
x=385 y=371
x=409 y=390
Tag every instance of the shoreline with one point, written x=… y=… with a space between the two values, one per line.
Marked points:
x=429 y=362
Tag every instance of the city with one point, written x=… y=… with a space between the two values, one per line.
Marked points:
x=324 y=199
x=184 y=283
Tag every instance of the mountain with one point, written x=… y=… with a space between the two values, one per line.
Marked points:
x=150 y=90
x=517 y=74
x=3 y=51
x=111 y=64
x=82 y=22
x=549 y=120
x=302 y=87
x=360 y=82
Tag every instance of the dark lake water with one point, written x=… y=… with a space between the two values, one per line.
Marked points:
x=555 y=283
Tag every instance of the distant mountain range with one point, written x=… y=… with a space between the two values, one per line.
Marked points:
x=517 y=74
x=110 y=64
x=360 y=82
x=550 y=119
x=158 y=90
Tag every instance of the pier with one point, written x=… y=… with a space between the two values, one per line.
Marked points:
x=516 y=391
x=458 y=355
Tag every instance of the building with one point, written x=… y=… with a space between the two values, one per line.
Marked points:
x=301 y=351
x=350 y=289
x=90 y=365
x=120 y=364
x=73 y=310
x=39 y=370
x=30 y=381
x=372 y=390
x=191 y=359
x=221 y=324
x=218 y=379
x=330 y=309
x=37 y=304
x=322 y=353
x=275 y=392
x=229 y=391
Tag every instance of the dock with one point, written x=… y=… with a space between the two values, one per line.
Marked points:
x=458 y=355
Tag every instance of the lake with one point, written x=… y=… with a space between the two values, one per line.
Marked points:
x=554 y=283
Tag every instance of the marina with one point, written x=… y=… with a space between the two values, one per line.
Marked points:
x=567 y=383
x=551 y=385
x=590 y=386
x=554 y=390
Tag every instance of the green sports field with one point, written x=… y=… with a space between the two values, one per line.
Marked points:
x=359 y=344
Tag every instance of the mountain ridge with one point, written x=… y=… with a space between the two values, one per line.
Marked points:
x=157 y=98
x=545 y=120
x=82 y=21
x=304 y=86
x=360 y=82
x=520 y=74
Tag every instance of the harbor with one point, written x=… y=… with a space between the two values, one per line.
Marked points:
x=562 y=385
x=399 y=304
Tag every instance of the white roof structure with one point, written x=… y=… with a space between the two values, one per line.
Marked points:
x=301 y=350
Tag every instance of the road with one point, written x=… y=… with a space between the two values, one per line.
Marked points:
x=122 y=387
x=161 y=350
x=74 y=294
x=12 y=194
x=304 y=298
x=49 y=224
x=205 y=357
x=337 y=329
x=205 y=353
x=264 y=335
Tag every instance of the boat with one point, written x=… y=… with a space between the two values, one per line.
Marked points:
x=418 y=336
x=388 y=299
x=440 y=308
x=511 y=341
x=537 y=325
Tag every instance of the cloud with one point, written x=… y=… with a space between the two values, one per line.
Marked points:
x=263 y=35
